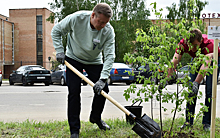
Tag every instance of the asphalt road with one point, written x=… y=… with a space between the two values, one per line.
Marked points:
x=44 y=103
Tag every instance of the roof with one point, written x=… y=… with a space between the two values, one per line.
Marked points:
x=31 y=9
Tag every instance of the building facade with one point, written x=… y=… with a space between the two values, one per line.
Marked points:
x=25 y=39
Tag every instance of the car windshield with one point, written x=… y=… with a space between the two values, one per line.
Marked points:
x=141 y=67
x=185 y=68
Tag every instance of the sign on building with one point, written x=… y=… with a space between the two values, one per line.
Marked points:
x=211 y=15
x=214 y=32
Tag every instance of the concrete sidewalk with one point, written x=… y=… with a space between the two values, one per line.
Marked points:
x=50 y=103
x=5 y=82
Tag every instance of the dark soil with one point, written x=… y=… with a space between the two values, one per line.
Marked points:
x=179 y=135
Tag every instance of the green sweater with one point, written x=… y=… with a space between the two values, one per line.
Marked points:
x=85 y=44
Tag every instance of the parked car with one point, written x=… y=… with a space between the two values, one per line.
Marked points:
x=0 y=77
x=58 y=75
x=180 y=73
x=144 y=70
x=183 y=71
x=30 y=74
x=119 y=73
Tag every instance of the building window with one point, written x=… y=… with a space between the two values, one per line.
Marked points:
x=39 y=41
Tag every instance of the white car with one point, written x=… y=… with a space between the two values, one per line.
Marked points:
x=0 y=77
x=181 y=74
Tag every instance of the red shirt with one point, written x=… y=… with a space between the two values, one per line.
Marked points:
x=206 y=43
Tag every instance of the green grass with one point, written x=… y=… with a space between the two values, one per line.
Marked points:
x=4 y=79
x=119 y=129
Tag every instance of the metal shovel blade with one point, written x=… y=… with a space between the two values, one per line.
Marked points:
x=145 y=127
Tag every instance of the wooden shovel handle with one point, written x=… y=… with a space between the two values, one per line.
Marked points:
x=102 y=92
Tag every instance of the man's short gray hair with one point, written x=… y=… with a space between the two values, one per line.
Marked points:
x=103 y=8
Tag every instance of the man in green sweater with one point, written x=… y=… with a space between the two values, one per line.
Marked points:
x=89 y=35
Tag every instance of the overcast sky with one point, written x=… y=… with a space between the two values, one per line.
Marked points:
x=213 y=7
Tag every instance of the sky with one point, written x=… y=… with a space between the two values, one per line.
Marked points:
x=213 y=7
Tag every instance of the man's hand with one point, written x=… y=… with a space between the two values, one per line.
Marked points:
x=99 y=85
x=60 y=57
x=195 y=89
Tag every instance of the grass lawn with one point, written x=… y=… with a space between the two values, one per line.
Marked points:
x=119 y=129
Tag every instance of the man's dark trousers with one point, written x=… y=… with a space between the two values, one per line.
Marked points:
x=74 y=88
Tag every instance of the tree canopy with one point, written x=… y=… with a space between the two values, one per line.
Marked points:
x=188 y=9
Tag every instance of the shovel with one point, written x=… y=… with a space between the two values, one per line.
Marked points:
x=145 y=127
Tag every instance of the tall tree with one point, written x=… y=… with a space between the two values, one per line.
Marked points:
x=128 y=16
x=63 y=8
x=188 y=9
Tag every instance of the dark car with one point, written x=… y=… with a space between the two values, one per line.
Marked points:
x=30 y=74
x=144 y=70
x=59 y=75
x=119 y=73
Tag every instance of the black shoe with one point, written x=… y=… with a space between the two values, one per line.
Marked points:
x=74 y=135
x=206 y=127
x=186 y=124
x=101 y=124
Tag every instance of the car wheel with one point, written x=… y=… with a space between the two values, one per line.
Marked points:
x=11 y=82
x=109 y=81
x=128 y=83
x=46 y=83
x=62 y=81
x=24 y=81
x=31 y=83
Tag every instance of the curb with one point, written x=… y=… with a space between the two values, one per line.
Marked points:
x=5 y=82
